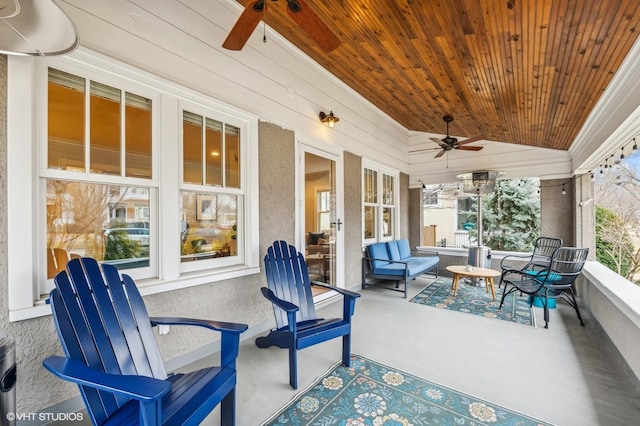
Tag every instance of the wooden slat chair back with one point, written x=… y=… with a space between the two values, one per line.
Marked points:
x=112 y=354
x=297 y=326
x=288 y=278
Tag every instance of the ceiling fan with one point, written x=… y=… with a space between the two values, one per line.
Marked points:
x=448 y=143
x=299 y=11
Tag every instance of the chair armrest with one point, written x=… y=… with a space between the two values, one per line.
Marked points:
x=141 y=388
x=339 y=290
x=514 y=258
x=228 y=327
x=282 y=304
x=404 y=262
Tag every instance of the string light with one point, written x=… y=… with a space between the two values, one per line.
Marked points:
x=606 y=164
x=564 y=192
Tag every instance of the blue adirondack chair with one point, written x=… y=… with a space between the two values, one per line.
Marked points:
x=112 y=354
x=297 y=325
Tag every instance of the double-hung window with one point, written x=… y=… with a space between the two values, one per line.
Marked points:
x=211 y=199
x=98 y=175
x=110 y=162
x=380 y=198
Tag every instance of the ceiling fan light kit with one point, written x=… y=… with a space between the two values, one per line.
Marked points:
x=328 y=119
x=298 y=10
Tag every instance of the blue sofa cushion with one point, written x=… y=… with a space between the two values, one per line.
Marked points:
x=404 y=248
x=415 y=266
x=379 y=252
x=394 y=253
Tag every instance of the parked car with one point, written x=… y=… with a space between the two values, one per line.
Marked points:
x=140 y=235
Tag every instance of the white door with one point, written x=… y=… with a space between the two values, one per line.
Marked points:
x=320 y=219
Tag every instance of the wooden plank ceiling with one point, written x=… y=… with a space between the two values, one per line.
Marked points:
x=525 y=72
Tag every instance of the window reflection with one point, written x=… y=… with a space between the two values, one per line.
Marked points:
x=107 y=222
x=208 y=226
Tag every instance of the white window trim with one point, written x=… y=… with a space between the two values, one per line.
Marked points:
x=382 y=170
x=25 y=231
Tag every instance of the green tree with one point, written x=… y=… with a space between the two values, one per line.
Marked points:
x=617 y=199
x=119 y=246
x=511 y=215
x=614 y=248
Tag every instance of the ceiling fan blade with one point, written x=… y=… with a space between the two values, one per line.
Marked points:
x=423 y=150
x=473 y=139
x=469 y=148
x=244 y=26
x=310 y=22
x=439 y=142
x=440 y=154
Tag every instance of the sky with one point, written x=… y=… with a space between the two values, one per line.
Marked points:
x=634 y=160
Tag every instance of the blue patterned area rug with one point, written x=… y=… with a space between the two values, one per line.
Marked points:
x=476 y=300
x=372 y=394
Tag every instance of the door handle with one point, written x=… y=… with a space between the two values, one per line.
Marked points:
x=338 y=223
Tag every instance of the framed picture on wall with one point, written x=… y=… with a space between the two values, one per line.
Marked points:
x=205 y=207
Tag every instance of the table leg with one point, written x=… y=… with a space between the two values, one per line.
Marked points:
x=493 y=289
x=456 y=277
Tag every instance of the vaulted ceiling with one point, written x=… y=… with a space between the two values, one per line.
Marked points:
x=516 y=71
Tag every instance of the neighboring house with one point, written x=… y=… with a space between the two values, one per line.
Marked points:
x=451 y=213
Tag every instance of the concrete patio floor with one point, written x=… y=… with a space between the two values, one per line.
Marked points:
x=566 y=375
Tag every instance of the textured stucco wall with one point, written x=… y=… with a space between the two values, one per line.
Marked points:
x=403 y=209
x=556 y=210
x=352 y=220
x=415 y=217
x=237 y=300
x=277 y=185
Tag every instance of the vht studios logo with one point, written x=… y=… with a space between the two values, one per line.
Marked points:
x=46 y=417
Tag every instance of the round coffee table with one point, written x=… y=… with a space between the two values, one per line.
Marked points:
x=475 y=272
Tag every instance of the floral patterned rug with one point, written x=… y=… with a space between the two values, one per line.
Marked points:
x=476 y=300
x=372 y=394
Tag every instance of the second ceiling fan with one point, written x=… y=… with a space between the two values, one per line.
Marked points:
x=299 y=11
x=448 y=143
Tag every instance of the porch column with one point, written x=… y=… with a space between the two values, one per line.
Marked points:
x=557 y=210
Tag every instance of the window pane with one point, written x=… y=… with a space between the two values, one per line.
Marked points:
x=232 y=156
x=66 y=119
x=105 y=129
x=387 y=222
x=138 y=136
x=209 y=226
x=192 y=147
x=370 y=186
x=95 y=220
x=370 y=221
x=214 y=153
x=387 y=189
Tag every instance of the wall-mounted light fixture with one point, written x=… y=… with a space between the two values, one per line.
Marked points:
x=330 y=119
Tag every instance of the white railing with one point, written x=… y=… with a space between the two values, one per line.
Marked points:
x=615 y=303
